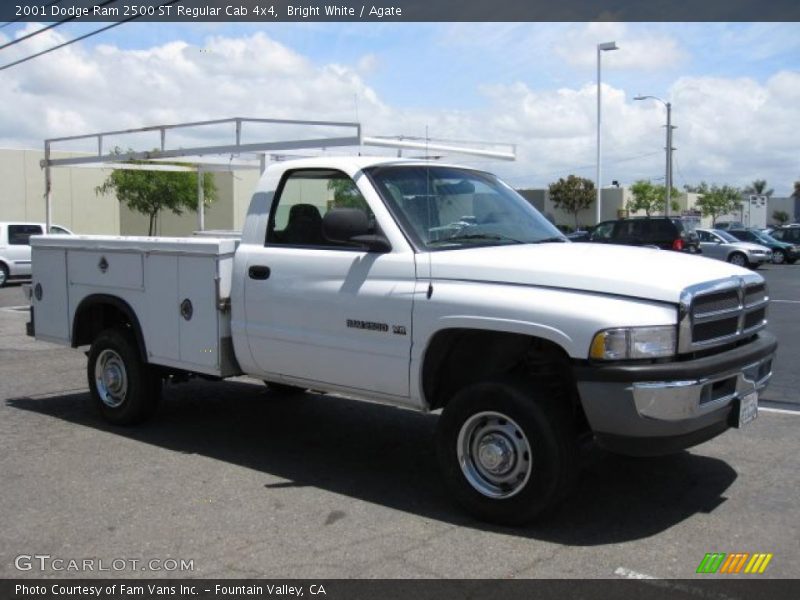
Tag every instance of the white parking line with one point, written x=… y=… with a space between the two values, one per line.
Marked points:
x=631 y=574
x=16 y=308
x=779 y=411
x=787 y=301
x=683 y=588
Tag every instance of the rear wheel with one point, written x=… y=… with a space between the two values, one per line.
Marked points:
x=124 y=388
x=3 y=275
x=738 y=259
x=778 y=257
x=507 y=452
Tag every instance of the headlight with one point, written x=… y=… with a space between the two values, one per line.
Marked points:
x=634 y=342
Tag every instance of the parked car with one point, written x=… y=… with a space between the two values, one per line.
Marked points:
x=781 y=251
x=666 y=233
x=723 y=246
x=789 y=234
x=15 y=250
x=580 y=235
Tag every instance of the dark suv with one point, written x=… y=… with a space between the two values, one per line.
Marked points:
x=667 y=233
x=789 y=234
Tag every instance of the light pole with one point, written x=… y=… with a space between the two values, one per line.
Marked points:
x=669 y=149
x=605 y=47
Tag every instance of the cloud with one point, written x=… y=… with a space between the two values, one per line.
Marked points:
x=642 y=51
x=730 y=130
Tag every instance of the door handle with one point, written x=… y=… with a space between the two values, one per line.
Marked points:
x=258 y=272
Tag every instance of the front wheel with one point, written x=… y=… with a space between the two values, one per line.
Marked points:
x=506 y=451
x=738 y=259
x=124 y=388
x=3 y=275
x=778 y=257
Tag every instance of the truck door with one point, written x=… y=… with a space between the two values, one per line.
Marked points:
x=325 y=312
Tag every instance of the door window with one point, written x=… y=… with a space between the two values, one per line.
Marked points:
x=306 y=196
x=603 y=231
x=20 y=235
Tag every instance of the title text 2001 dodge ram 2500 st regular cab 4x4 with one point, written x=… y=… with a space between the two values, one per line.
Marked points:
x=432 y=287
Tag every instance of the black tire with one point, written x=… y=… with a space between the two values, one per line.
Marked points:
x=738 y=259
x=791 y=261
x=778 y=257
x=3 y=275
x=124 y=388
x=284 y=389
x=545 y=426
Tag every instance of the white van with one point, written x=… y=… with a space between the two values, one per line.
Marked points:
x=15 y=250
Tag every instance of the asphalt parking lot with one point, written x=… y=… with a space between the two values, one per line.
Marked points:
x=245 y=483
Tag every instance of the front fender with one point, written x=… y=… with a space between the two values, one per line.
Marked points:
x=567 y=318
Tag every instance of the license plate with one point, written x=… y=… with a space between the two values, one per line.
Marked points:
x=748 y=409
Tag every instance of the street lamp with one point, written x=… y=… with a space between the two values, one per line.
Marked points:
x=669 y=149
x=604 y=47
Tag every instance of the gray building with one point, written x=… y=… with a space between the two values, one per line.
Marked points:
x=78 y=207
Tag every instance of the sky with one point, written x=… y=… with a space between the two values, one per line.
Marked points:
x=734 y=88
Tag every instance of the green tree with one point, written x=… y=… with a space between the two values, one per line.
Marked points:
x=700 y=188
x=150 y=192
x=759 y=188
x=345 y=193
x=650 y=198
x=781 y=217
x=718 y=200
x=572 y=194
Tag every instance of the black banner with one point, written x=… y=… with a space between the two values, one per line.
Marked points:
x=733 y=588
x=399 y=10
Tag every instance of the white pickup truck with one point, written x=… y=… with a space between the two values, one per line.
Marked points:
x=428 y=286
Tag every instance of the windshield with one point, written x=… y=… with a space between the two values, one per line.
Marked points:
x=445 y=208
x=765 y=238
x=726 y=236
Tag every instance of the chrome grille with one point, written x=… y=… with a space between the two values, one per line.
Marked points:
x=755 y=294
x=716 y=302
x=722 y=312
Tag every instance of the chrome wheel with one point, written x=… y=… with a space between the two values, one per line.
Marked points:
x=3 y=276
x=494 y=454
x=778 y=257
x=738 y=259
x=111 y=378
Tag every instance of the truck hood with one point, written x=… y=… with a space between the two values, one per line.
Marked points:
x=604 y=268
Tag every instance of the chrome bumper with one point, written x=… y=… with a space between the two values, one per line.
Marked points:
x=679 y=400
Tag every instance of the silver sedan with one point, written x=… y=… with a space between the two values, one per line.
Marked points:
x=723 y=246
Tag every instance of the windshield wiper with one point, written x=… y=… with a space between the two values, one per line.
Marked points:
x=549 y=240
x=477 y=236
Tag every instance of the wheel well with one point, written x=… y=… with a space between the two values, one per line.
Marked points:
x=459 y=357
x=100 y=312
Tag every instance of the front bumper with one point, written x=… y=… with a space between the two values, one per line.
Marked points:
x=759 y=259
x=655 y=409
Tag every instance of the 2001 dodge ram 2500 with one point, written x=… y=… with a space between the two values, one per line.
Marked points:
x=432 y=287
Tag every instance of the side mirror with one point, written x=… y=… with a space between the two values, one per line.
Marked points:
x=351 y=226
